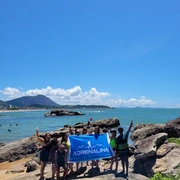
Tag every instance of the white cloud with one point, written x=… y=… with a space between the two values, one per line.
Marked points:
x=142 y=102
x=11 y=93
x=75 y=95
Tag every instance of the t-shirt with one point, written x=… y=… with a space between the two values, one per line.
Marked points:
x=113 y=143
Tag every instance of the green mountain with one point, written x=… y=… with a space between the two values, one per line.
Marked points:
x=41 y=101
x=2 y=103
x=32 y=101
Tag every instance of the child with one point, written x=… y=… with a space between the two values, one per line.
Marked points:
x=61 y=160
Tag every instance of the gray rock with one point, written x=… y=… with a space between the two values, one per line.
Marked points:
x=142 y=131
x=169 y=163
x=31 y=166
x=147 y=147
x=107 y=123
x=18 y=149
x=62 y=112
x=172 y=128
x=17 y=171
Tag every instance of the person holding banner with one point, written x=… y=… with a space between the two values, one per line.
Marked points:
x=123 y=148
x=113 y=145
x=96 y=132
x=90 y=147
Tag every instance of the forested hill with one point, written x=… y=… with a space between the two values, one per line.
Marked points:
x=41 y=101
x=32 y=100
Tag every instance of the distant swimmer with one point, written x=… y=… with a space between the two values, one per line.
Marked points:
x=16 y=124
x=9 y=130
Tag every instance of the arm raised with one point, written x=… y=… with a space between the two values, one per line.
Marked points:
x=40 y=139
x=130 y=126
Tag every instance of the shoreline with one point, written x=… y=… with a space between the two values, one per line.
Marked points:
x=21 y=110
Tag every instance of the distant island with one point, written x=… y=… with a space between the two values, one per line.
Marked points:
x=40 y=102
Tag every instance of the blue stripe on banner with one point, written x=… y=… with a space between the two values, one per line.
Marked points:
x=89 y=147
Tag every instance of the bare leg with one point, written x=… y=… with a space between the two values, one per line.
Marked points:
x=65 y=173
x=53 y=170
x=58 y=173
x=116 y=159
x=43 y=164
x=77 y=166
x=97 y=163
x=112 y=162
x=127 y=164
x=93 y=163
x=71 y=166
x=122 y=162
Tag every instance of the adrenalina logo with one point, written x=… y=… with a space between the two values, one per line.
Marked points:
x=89 y=149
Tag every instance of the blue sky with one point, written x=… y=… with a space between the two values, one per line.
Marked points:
x=116 y=53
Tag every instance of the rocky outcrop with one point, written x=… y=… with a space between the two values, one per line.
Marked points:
x=106 y=123
x=147 y=147
x=172 y=128
x=103 y=123
x=18 y=149
x=142 y=131
x=62 y=112
x=153 y=153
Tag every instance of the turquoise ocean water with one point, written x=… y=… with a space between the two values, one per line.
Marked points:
x=27 y=121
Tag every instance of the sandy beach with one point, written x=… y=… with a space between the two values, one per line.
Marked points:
x=21 y=110
x=7 y=167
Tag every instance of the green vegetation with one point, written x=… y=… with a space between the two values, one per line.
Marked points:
x=174 y=140
x=159 y=176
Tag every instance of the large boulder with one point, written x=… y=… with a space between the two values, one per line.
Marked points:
x=147 y=147
x=31 y=166
x=142 y=131
x=106 y=123
x=18 y=149
x=103 y=123
x=168 y=159
x=172 y=128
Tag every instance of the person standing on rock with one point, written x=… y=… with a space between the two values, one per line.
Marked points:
x=123 y=148
x=64 y=140
x=44 y=154
x=61 y=160
x=113 y=145
x=53 y=145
